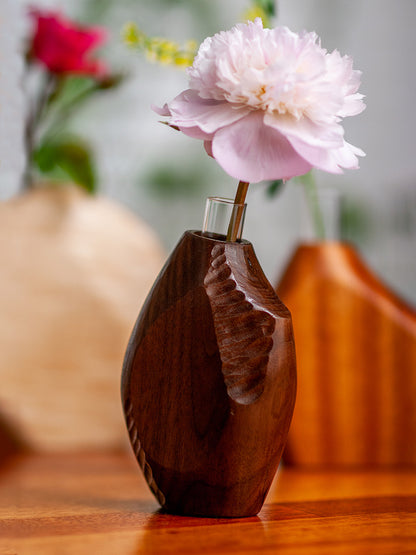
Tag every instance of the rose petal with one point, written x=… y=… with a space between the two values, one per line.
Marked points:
x=251 y=151
x=189 y=110
x=64 y=46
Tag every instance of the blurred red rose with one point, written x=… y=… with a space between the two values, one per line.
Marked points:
x=63 y=46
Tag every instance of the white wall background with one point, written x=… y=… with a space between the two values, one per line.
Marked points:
x=11 y=99
x=129 y=144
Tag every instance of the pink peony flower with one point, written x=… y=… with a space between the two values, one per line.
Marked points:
x=269 y=103
x=63 y=46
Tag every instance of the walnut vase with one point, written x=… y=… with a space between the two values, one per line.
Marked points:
x=209 y=380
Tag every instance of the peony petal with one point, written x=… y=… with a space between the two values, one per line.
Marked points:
x=269 y=103
x=193 y=132
x=196 y=133
x=327 y=136
x=329 y=160
x=347 y=156
x=189 y=110
x=208 y=148
x=163 y=111
x=251 y=151
x=353 y=106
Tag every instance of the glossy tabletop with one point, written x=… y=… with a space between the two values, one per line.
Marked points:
x=98 y=503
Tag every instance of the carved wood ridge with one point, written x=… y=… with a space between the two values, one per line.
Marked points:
x=243 y=332
x=141 y=455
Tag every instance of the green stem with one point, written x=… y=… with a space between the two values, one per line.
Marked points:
x=237 y=215
x=31 y=126
x=311 y=190
x=66 y=111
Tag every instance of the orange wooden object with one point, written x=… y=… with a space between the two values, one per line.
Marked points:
x=209 y=380
x=356 y=354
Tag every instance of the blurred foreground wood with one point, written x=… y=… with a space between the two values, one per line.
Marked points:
x=99 y=503
x=356 y=356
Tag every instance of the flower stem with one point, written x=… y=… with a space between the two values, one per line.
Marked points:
x=34 y=117
x=308 y=180
x=66 y=111
x=239 y=201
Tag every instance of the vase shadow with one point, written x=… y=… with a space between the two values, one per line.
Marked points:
x=11 y=442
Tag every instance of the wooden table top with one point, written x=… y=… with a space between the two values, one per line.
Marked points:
x=99 y=504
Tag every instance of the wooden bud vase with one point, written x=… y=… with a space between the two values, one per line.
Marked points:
x=209 y=380
x=356 y=352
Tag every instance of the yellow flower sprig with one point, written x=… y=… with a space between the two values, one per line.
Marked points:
x=168 y=52
x=265 y=9
x=160 y=50
x=257 y=11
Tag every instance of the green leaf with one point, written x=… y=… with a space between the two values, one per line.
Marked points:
x=176 y=182
x=67 y=158
x=76 y=85
x=69 y=88
x=274 y=187
x=44 y=158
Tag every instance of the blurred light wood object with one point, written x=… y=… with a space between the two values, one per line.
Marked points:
x=75 y=270
x=356 y=354
x=100 y=504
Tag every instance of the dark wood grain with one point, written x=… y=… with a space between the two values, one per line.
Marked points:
x=209 y=381
x=98 y=503
x=356 y=354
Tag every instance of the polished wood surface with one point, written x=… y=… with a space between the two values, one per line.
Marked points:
x=356 y=355
x=100 y=504
x=209 y=380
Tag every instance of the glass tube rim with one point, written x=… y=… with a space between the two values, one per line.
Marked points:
x=226 y=200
